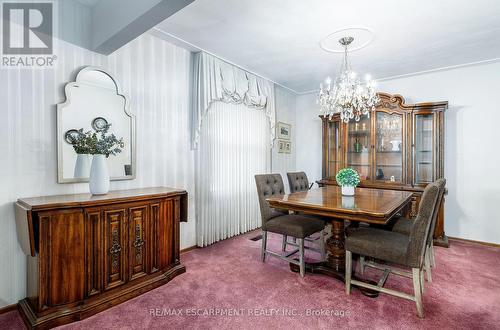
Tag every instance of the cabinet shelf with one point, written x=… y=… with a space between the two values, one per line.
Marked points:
x=359 y=132
x=388 y=152
x=389 y=165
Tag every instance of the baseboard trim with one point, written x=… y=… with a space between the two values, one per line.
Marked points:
x=472 y=241
x=189 y=249
x=8 y=308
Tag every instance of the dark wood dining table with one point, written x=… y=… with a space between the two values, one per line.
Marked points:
x=375 y=206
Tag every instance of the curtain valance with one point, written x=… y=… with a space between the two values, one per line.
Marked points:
x=216 y=80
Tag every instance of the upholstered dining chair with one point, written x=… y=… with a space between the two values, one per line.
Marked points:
x=403 y=226
x=280 y=222
x=298 y=181
x=397 y=248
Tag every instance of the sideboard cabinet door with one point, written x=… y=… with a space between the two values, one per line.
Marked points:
x=163 y=235
x=115 y=251
x=138 y=241
x=62 y=257
x=94 y=250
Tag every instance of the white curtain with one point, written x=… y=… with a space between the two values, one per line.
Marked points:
x=215 y=80
x=233 y=147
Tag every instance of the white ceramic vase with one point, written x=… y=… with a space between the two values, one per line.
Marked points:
x=82 y=166
x=347 y=190
x=99 y=176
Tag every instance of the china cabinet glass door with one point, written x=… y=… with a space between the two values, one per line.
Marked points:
x=389 y=146
x=334 y=151
x=424 y=148
x=359 y=147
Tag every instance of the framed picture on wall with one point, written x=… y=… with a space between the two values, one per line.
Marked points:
x=284 y=131
x=284 y=147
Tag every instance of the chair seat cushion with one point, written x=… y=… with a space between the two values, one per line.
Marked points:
x=294 y=225
x=378 y=243
x=403 y=226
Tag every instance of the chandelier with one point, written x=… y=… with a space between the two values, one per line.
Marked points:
x=348 y=95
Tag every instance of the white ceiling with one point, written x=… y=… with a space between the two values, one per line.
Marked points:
x=279 y=39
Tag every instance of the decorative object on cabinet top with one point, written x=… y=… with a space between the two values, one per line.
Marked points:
x=100 y=124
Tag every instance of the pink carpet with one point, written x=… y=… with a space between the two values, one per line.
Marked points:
x=228 y=277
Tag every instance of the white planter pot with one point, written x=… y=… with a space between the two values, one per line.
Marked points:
x=82 y=166
x=99 y=176
x=347 y=191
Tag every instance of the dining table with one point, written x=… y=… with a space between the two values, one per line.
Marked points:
x=368 y=205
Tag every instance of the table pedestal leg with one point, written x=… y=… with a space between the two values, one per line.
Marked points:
x=335 y=246
x=334 y=266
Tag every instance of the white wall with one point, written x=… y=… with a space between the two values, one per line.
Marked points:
x=472 y=131
x=152 y=72
x=285 y=112
x=308 y=136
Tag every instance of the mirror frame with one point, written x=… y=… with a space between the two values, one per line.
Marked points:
x=60 y=133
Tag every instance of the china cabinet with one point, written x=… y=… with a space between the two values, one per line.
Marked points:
x=399 y=146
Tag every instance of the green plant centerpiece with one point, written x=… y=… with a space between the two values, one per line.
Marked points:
x=347 y=178
x=98 y=143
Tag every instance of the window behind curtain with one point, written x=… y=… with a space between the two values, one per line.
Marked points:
x=234 y=146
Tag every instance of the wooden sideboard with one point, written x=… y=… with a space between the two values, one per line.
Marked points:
x=399 y=146
x=88 y=253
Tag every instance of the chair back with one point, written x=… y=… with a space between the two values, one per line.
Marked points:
x=421 y=224
x=269 y=185
x=441 y=183
x=298 y=181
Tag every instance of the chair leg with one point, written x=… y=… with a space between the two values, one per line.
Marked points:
x=322 y=245
x=361 y=264
x=422 y=281
x=433 y=258
x=348 y=271
x=264 y=244
x=418 y=291
x=283 y=246
x=428 y=264
x=301 y=257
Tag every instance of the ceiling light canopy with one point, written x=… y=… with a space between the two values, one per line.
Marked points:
x=348 y=94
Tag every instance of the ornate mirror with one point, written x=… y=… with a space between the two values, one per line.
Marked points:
x=94 y=103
